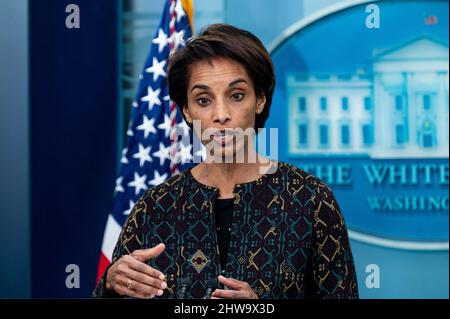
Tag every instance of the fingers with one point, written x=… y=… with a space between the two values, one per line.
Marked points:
x=221 y=293
x=233 y=294
x=135 y=289
x=126 y=292
x=146 y=254
x=131 y=277
x=146 y=280
x=237 y=289
x=231 y=283
x=143 y=268
x=227 y=294
x=141 y=273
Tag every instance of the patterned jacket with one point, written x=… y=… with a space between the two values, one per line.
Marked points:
x=288 y=237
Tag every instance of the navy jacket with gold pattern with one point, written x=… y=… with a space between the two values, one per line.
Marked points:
x=288 y=237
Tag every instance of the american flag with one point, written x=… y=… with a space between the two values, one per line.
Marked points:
x=152 y=153
x=431 y=20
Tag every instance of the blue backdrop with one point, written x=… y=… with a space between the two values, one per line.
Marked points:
x=73 y=107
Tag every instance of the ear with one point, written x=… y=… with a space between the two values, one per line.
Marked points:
x=260 y=103
x=187 y=114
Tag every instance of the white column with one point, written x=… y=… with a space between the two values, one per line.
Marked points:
x=382 y=116
x=442 y=113
x=411 y=105
x=312 y=111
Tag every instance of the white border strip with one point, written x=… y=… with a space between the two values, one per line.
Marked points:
x=361 y=237
x=397 y=244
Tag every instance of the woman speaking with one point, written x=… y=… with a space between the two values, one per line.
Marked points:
x=237 y=225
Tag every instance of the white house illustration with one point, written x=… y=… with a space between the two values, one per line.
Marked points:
x=399 y=110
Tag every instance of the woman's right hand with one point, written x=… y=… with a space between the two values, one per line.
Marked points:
x=130 y=276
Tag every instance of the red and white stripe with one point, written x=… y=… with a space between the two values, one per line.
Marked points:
x=173 y=107
x=110 y=238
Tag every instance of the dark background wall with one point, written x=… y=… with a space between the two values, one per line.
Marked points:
x=73 y=113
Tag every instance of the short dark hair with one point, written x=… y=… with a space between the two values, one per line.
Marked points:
x=224 y=41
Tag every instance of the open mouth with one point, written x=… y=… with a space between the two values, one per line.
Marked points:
x=224 y=137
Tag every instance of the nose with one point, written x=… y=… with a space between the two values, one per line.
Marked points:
x=221 y=113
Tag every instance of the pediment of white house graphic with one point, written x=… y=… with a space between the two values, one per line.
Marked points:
x=422 y=53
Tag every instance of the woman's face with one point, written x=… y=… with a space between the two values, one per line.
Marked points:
x=221 y=96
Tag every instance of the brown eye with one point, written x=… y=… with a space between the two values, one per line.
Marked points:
x=202 y=101
x=238 y=97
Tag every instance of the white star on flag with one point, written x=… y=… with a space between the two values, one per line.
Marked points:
x=130 y=208
x=130 y=131
x=119 y=187
x=179 y=11
x=161 y=40
x=163 y=153
x=177 y=38
x=143 y=155
x=158 y=179
x=138 y=183
x=147 y=126
x=152 y=98
x=185 y=153
x=201 y=152
x=124 y=159
x=183 y=126
x=166 y=125
x=157 y=69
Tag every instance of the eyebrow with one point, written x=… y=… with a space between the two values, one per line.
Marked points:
x=200 y=86
x=233 y=83
x=205 y=87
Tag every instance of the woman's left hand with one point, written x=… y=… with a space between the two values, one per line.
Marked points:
x=236 y=290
